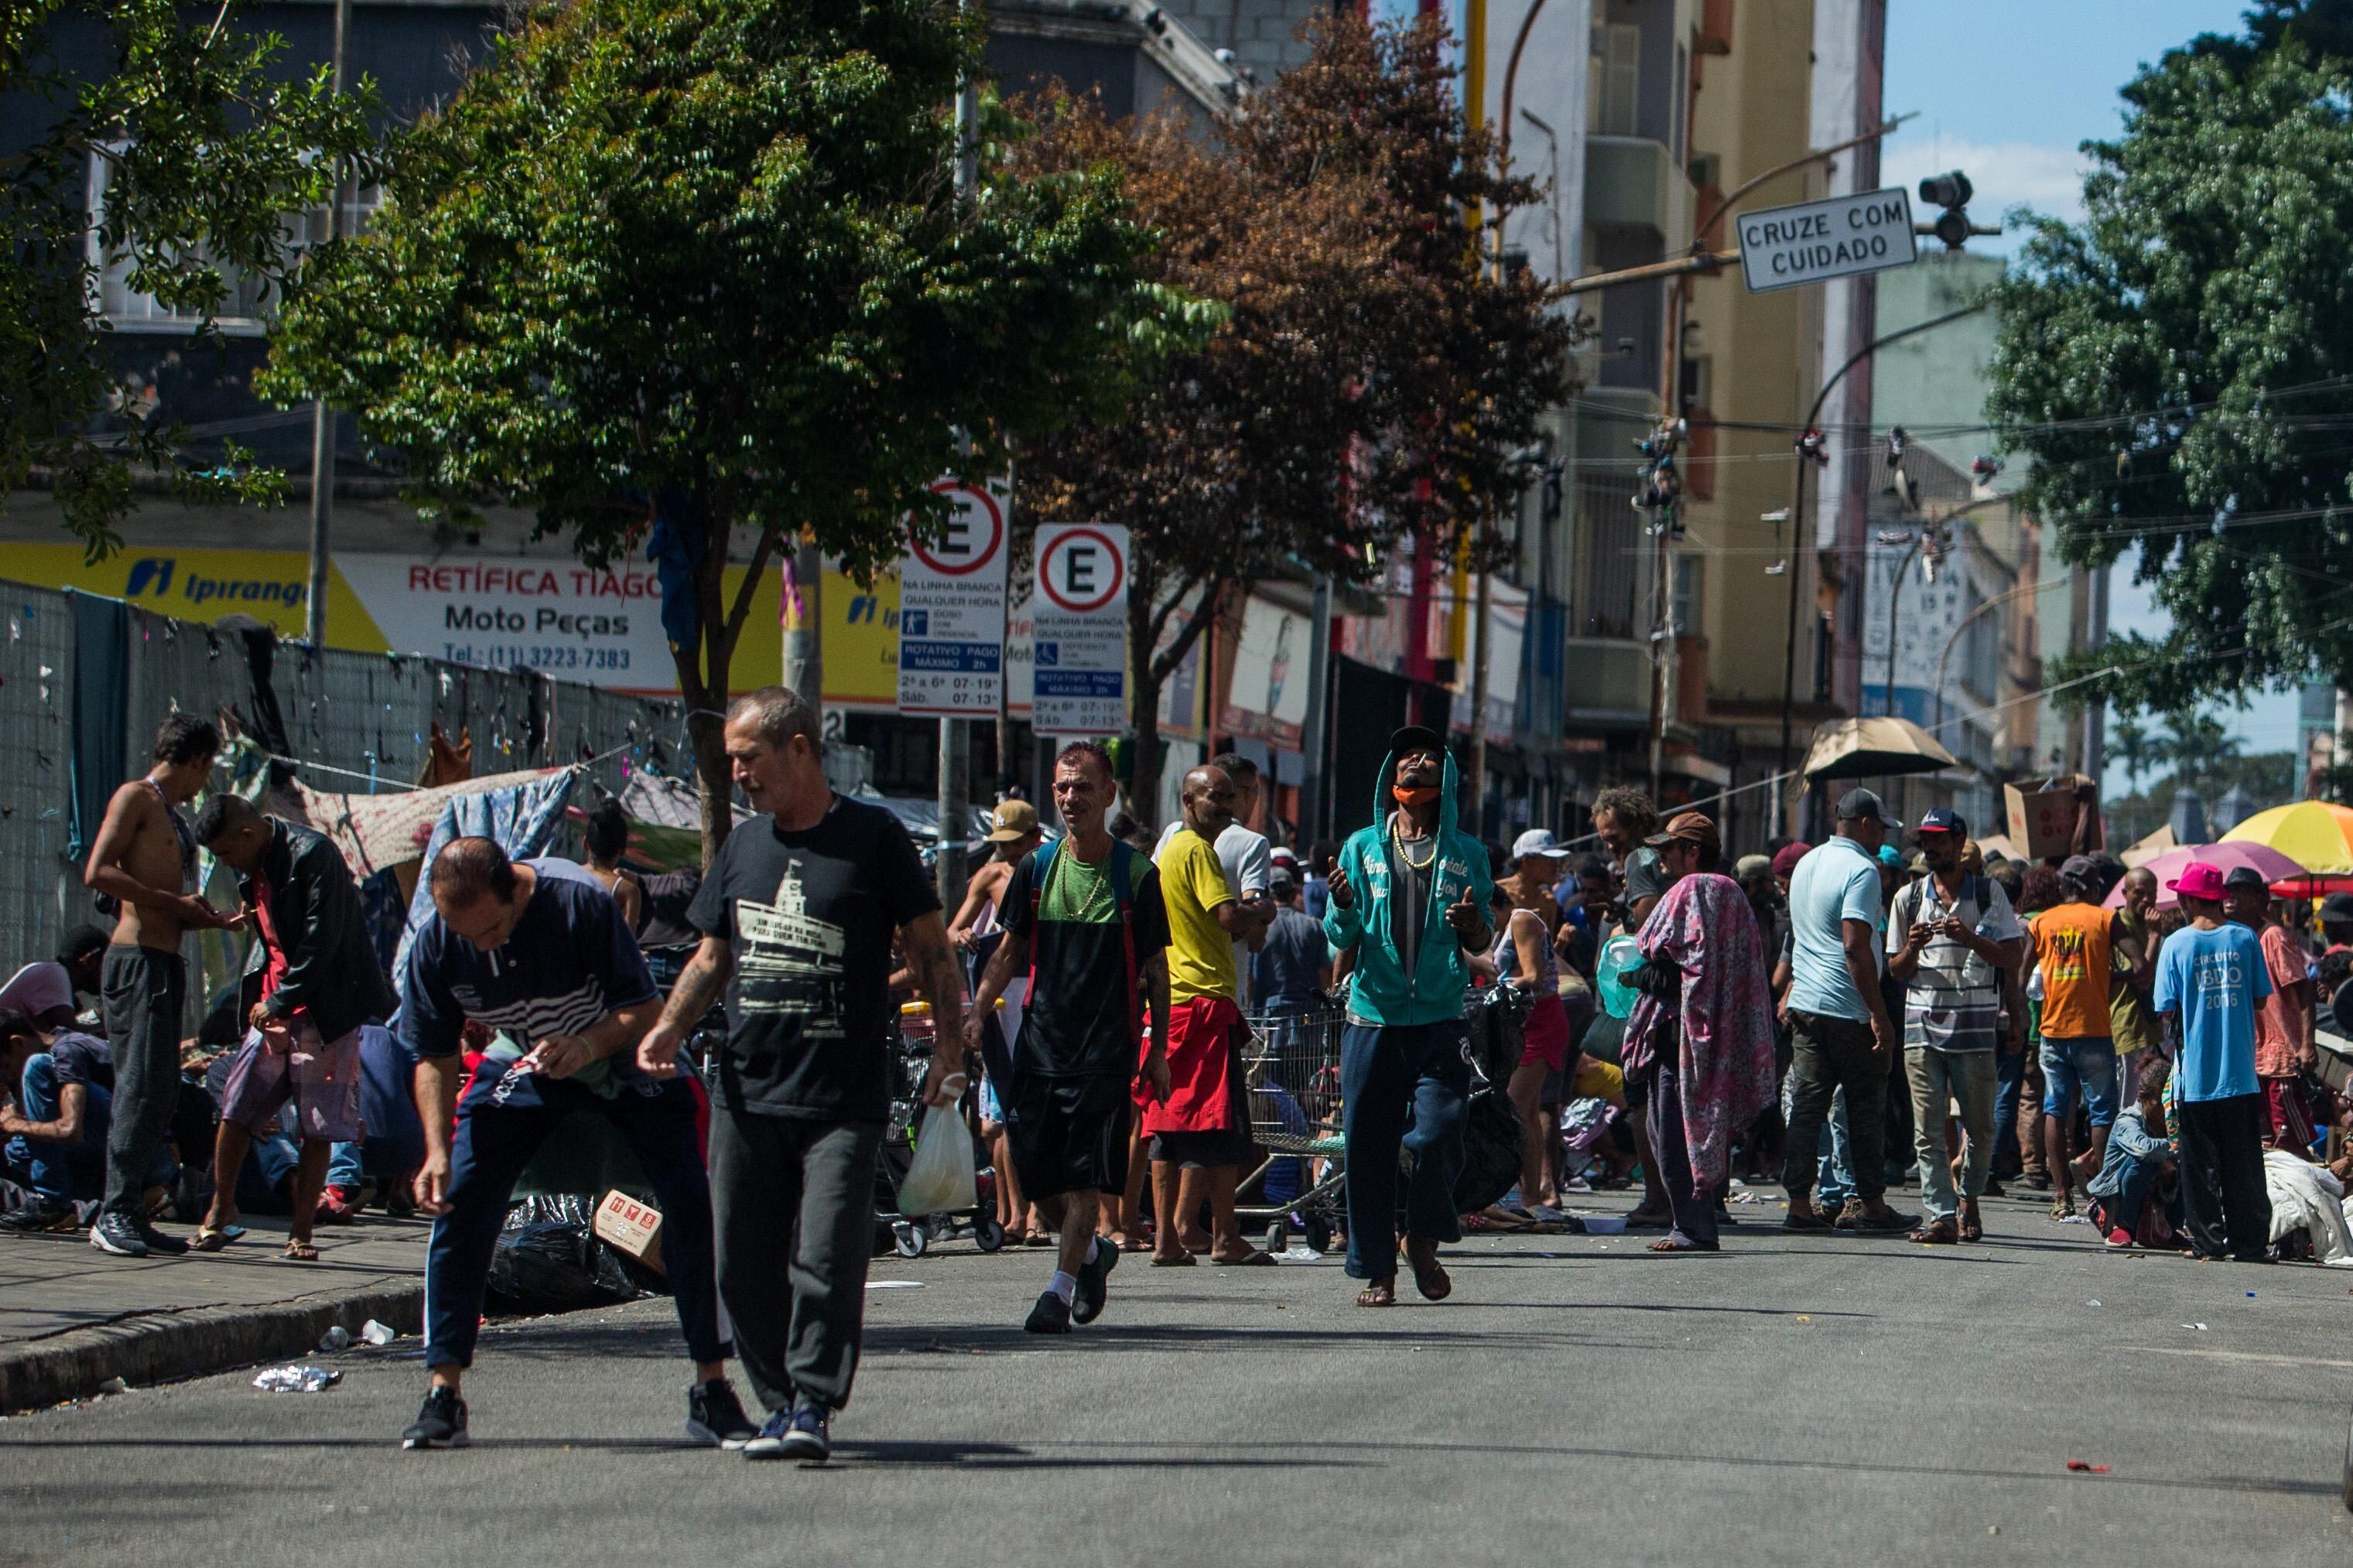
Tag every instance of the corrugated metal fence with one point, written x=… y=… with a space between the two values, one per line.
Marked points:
x=367 y=716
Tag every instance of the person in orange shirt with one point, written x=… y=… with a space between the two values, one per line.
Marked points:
x=2072 y=945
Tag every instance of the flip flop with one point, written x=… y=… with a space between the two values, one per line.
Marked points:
x=211 y=1240
x=1256 y=1259
x=1430 y=1278
x=1182 y=1260
x=1379 y=1293
x=298 y=1252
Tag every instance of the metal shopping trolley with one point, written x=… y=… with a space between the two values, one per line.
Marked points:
x=911 y=1235
x=1290 y=1068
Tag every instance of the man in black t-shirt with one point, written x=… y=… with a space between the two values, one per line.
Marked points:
x=796 y=915
x=1085 y=918
x=547 y=962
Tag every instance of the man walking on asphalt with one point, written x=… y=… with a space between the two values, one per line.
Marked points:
x=797 y=913
x=548 y=965
x=1083 y=919
x=319 y=981
x=2284 y=1048
x=1410 y=894
x=1200 y=1130
x=1841 y=1035
x=2212 y=975
x=1951 y=937
x=2072 y=943
x=144 y=859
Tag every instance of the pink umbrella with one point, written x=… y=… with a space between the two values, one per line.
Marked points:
x=2274 y=867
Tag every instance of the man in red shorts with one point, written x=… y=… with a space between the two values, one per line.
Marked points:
x=2283 y=1049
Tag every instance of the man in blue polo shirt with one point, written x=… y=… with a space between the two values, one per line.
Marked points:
x=547 y=963
x=1838 y=1016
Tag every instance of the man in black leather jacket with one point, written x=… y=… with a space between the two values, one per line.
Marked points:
x=318 y=981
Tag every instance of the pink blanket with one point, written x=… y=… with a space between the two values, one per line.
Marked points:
x=1704 y=928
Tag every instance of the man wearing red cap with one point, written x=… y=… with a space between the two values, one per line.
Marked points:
x=2212 y=975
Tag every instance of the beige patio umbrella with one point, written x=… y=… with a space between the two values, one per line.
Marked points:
x=1870 y=748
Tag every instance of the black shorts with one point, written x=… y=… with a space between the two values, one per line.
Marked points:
x=1069 y=1134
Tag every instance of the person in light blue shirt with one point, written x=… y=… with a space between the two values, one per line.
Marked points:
x=1841 y=1033
x=2210 y=975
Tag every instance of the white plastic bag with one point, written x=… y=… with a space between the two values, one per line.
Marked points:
x=942 y=1177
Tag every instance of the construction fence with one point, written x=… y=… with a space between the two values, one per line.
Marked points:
x=84 y=682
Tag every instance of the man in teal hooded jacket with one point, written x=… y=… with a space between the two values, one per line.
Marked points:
x=1410 y=894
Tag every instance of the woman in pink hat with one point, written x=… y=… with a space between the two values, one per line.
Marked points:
x=2212 y=975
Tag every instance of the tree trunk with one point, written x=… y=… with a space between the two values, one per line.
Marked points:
x=703 y=669
x=1154 y=667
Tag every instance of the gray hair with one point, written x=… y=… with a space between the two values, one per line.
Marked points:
x=777 y=713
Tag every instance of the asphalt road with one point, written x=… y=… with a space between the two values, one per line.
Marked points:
x=1793 y=1400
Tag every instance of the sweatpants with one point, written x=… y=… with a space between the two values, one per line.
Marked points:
x=2223 y=1196
x=1834 y=1054
x=1390 y=1076
x=795 y=1218
x=492 y=1146
x=1695 y=1209
x=141 y=993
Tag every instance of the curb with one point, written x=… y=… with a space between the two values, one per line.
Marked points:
x=160 y=1347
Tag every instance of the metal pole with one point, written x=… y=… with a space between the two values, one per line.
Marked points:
x=954 y=794
x=1478 y=779
x=323 y=418
x=1894 y=596
x=1315 y=734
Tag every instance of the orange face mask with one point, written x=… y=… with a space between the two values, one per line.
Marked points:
x=1422 y=795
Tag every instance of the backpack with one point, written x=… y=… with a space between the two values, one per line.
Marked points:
x=1123 y=856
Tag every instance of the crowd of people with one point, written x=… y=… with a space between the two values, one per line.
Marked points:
x=1102 y=1003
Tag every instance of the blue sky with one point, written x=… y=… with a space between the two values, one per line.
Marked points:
x=2006 y=90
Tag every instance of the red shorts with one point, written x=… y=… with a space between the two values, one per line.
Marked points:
x=2290 y=1116
x=1547 y=1035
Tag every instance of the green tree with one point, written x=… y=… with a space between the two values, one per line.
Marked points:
x=2129 y=740
x=2173 y=365
x=205 y=145
x=705 y=257
x=2204 y=754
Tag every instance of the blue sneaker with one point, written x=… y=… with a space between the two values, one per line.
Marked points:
x=768 y=1443
x=805 y=1434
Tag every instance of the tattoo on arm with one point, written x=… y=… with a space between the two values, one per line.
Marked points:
x=699 y=984
x=1012 y=950
x=926 y=945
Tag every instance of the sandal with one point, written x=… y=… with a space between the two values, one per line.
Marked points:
x=1427 y=1277
x=1937 y=1233
x=1379 y=1293
x=1972 y=1227
x=212 y=1239
x=1253 y=1258
x=1176 y=1260
x=298 y=1252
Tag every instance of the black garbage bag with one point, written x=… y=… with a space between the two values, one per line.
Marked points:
x=1491 y=1152
x=557 y=1266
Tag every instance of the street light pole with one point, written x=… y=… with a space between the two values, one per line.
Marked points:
x=322 y=418
x=954 y=752
x=1894 y=597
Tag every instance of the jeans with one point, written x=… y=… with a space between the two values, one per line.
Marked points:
x=2009 y=1081
x=1390 y=1076
x=141 y=991
x=1938 y=1078
x=1832 y=1054
x=2223 y=1194
x=1694 y=1208
x=2087 y=1065
x=61 y=1172
x=492 y=1146
x=794 y=1202
x=1834 y=1160
x=395 y=1146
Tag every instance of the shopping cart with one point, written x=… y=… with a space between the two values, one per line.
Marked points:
x=911 y=1235
x=1290 y=1068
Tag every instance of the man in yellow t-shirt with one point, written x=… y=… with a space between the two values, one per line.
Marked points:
x=1200 y=1133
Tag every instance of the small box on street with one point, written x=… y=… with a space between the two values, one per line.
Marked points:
x=2043 y=813
x=632 y=1227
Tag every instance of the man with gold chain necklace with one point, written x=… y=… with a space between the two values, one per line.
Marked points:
x=1410 y=894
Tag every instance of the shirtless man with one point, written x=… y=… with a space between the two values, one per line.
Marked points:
x=144 y=859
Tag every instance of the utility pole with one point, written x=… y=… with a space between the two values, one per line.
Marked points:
x=1315 y=734
x=954 y=792
x=323 y=418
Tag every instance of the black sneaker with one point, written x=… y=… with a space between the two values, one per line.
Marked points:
x=157 y=1241
x=768 y=1443
x=114 y=1233
x=1094 y=1283
x=714 y=1417
x=41 y=1215
x=1052 y=1315
x=806 y=1436
x=440 y=1422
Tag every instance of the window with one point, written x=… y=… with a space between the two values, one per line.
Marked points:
x=1688 y=606
x=1613 y=81
x=1613 y=548
x=246 y=302
x=1981 y=653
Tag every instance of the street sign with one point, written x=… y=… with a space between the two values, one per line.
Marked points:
x=952 y=607
x=1080 y=647
x=1816 y=241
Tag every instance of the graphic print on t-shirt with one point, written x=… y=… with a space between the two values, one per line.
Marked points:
x=792 y=963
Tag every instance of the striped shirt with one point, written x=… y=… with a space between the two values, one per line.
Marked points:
x=1953 y=1003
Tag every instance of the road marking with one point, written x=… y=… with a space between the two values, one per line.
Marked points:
x=2244 y=1355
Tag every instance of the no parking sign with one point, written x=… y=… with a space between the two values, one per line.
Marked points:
x=1081 y=614
x=952 y=607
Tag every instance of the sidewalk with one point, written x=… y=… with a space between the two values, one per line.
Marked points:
x=71 y=1317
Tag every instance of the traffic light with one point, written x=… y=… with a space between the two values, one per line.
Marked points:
x=1950 y=191
x=1662 y=485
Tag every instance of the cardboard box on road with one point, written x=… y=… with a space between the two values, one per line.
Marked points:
x=2043 y=813
x=634 y=1227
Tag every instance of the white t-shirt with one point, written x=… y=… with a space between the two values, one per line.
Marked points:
x=1248 y=858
